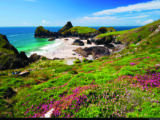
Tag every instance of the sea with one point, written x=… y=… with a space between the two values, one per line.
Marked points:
x=23 y=38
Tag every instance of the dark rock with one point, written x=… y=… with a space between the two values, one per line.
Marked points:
x=7 y=92
x=23 y=55
x=104 y=40
x=92 y=40
x=58 y=58
x=66 y=27
x=109 y=46
x=89 y=42
x=66 y=39
x=34 y=57
x=52 y=39
x=43 y=33
x=96 y=51
x=78 y=42
x=117 y=42
x=106 y=29
x=9 y=55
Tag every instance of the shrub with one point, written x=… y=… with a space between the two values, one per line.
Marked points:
x=77 y=61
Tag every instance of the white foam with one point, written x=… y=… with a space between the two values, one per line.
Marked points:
x=48 y=50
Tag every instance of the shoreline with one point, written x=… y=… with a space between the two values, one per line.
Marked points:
x=64 y=49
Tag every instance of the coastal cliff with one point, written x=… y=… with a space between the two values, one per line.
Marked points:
x=9 y=56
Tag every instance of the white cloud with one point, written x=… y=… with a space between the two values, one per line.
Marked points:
x=152 y=5
x=144 y=22
x=148 y=21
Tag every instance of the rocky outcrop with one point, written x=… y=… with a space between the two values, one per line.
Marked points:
x=111 y=46
x=43 y=33
x=66 y=27
x=104 y=40
x=96 y=51
x=34 y=57
x=9 y=56
x=78 y=43
x=23 y=55
x=52 y=39
x=106 y=29
x=89 y=42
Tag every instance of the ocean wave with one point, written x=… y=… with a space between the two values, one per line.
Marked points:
x=47 y=50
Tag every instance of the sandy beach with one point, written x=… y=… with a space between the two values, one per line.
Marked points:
x=63 y=49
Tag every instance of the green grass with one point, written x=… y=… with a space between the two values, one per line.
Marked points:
x=112 y=33
x=82 y=30
x=108 y=83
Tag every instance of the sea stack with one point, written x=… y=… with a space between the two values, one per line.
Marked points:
x=66 y=27
x=43 y=33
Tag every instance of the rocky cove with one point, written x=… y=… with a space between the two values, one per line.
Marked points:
x=77 y=43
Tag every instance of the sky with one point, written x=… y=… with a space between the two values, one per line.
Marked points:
x=79 y=12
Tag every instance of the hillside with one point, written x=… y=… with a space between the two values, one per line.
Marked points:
x=125 y=84
x=81 y=31
x=9 y=56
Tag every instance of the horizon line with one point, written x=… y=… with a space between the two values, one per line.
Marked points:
x=80 y=26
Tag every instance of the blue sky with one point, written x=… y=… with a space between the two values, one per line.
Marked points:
x=79 y=12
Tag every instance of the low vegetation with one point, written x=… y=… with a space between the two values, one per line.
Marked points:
x=125 y=84
x=111 y=33
x=82 y=30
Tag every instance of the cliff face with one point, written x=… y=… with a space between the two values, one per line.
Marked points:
x=43 y=33
x=9 y=56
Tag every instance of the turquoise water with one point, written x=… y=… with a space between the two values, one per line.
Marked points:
x=23 y=38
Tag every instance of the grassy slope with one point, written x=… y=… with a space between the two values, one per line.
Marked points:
x=82 y=30
x=108 y=87
x=111 y=33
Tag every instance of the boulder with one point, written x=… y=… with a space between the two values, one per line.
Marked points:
x=66 y=27
x=10 y=58
x=78 y=43
x=43 y=33
x=96 y=51
x=103 y=40
x=89 y=42
x=52 y=39
x=34 y=57
x=109 y=46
